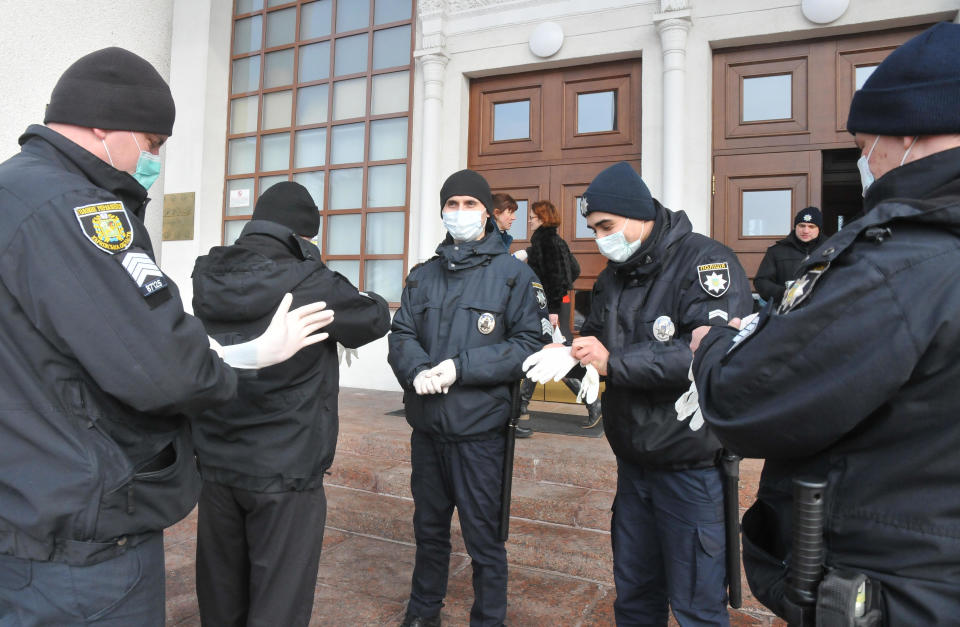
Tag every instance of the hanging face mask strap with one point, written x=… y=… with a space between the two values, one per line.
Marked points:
x=909 y=148
x=102 y=141
x=870 y=154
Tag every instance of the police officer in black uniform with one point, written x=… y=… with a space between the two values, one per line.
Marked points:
x=781 y=260
x=872 y=404
x=467 y=320
x=98 y=361
x=263 y=455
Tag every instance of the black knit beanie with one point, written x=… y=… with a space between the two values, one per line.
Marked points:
x=811 y=215
x=467 y=183
x=291 y=205
x=915 y=90
x=113 y=89
x=621 y=191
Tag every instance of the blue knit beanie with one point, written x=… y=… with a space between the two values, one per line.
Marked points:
x=915 y=91
x=621 y=191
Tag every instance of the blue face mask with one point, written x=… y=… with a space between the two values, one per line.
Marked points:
x=148 y=166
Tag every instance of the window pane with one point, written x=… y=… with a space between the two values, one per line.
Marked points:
x=388 y=139
x=242 y=155
x=349 y=269
x=312 y=104
x=582 y=230
x=274 y=152
x=310 y=148
x=247 y=34
x=245 y=6
x=343 y=234
x=347 y=143
x=239 y=197
x=276 y=3
x=385 y=233
x=266 y=182
x=277 y=109
x=387 y=186
x=243 y=115
x=352 y=15
x=281 y=27
x=386 y=11
x=349 y=99
x=278 y=68
x=246 y=75
x=767 y=97
x=391 y=47
x=597 y=112
x=346 y=188
x=315 y=19
x=350 y=56
x=313 y=181
x=232 y=230
x=519 y=227
x=863 y=73
x=511 y=120
x=385 y=277
x=767 y=212
x=315 y=62
x=391 y=93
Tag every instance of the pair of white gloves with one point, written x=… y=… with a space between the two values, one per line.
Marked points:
x=553 y=363
x=436 y=380
x=289 y=331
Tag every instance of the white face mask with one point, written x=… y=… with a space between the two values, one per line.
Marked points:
x=863 y=164
x=615 y=246
x=464 y=225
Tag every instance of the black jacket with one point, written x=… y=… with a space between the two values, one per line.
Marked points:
x=643 y=311
x=98 y=362
x=447 y=304
x=549 y=258
x=854 y=380
x=280 y=433
x=779 y=265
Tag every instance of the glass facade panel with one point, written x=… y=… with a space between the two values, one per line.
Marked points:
x=239 y=197
x=349 y=99
x=310 y=148
x=387 y=185
x=349 y=269
x=312 y=104
x=346 y=188
x=597 y=112
x=347 y=143
x=767 y=98
x=246 y=6
x=385 y=277
x=277 y=109
x=582 y=230
x=511 y=120
x=343 y=234
x=315 y=19
x=243 y=115
x=386 y=11
x=242 y=155
x=388 y=139
x=314 y=62
x=246 y=75
x=391 y=47
x=519 y=227
x=385 y=234
x=313 y=181
x=352 y=15
x=266 y=182
x=278 y=69
x=767 y=212
x=863 y=72
x=274 y=152
x=247 y=34
x=281 y=27
x=350 y=56
x=391 y=93
x=232 y=230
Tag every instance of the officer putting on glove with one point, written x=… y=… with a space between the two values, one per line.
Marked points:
x=99 y=364
x=467 y=320
x=662 y=281
x=870 y=405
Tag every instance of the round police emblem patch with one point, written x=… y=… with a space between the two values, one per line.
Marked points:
x=486 y=323
x=663 y=328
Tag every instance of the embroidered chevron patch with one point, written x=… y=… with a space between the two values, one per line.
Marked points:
x=144 y=272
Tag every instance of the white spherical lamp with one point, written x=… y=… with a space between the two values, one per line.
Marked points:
x=546 y=39
x=823 y=11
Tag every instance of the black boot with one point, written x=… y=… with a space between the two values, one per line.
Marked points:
x=411 y=620
x=523 y=432
x=593 y=415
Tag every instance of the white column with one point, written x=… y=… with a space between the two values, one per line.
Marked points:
x=432 y=65
x=673 y=27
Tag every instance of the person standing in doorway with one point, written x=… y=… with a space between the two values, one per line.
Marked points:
x=781 y=261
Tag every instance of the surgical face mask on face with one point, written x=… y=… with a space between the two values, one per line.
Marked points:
x=148 y=164
x=615 y=246
x=464 y=225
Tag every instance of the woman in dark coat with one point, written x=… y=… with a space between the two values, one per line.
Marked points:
x=783 y=258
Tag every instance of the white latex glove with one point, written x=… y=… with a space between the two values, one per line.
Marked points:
x=551 y=363
x=589 y=386
x=445 y=374
x=424 y=383
x=747 y=320
x=521 y=255
x=688 y=405
x=350 y=354
x=289 y=331
x=557 y=336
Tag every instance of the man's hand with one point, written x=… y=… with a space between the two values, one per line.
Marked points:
x=554 y=319
x=445 y=374
x=425 y=383
x=700 y=332
x=589 y=351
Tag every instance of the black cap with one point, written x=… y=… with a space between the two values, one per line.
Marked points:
x=291 y=205
x=915 y=90
x=113 y=89
x=810 y=215
x=467 y=183
x=621 y=191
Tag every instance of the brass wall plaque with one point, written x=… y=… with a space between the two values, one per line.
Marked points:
x=178 y=216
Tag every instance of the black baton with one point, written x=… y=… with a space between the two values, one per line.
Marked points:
x=510 y=441
x=805 y=570
x=731 y=514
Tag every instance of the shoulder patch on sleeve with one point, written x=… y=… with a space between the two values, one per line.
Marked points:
x=540 y=294
x=714 y=278
x=106 y=225
x=144 y=272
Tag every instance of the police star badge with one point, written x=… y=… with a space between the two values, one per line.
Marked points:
x=541 y=295
x=486 y=323
x=663 y=328
x=800 y=289
x=714 y=278
x=106 y=225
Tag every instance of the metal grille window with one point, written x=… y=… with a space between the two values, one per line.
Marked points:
x=320 y=94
